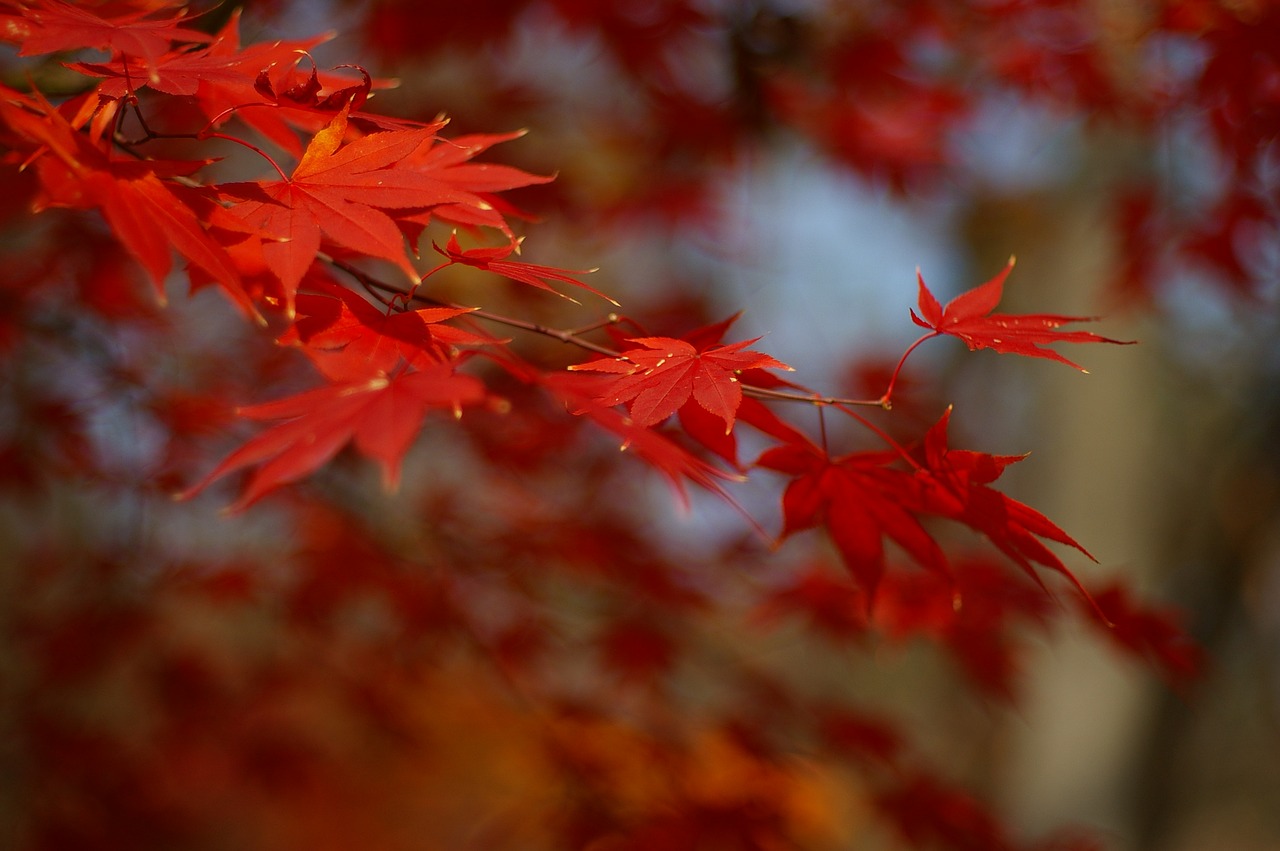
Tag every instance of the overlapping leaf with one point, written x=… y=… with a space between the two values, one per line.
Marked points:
x=661 y=374
x=860 y=499
x=305 y=90
x=221 y=66
x=226 y=80
x=48 y=26
x=451 y=162
x=143 y=212
x=349 y=339
x=338 y=197
x=958 y=489
x=865 y=497
x=578 y=393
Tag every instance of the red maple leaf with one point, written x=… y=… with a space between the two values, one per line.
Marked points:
x=135 y=198
x=349 y=339
x=860 y=498
x=381 y=415
x=223 y=76
x=957 y=488
x=449 y=161
x=225 y=79
x=676 y=463
x=48 y=26
x=304 y=91
x=338 y=196
x=863 y=497
x=969 y=317
x=657 y=378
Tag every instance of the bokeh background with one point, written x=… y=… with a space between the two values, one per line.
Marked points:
x=175 y=679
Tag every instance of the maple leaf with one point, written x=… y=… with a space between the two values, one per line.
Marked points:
x=338 y=195
x=380 y=415
x=863 y=497
x=179 y=73
x=662 y=374
x=957 y=489
x=578 y=392
x=49 y=26
x=448 y=160
x=707 y=429
x=494 y=260
x=305 y=93
x=860 y=499
x=969 y=317
x=224 y=79
x=221 y=76
x=349 y=339
x=143 y=211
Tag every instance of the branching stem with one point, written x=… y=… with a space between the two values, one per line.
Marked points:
x=371 y=283
x=206 y=133
x=886 y=401
x=379 y=288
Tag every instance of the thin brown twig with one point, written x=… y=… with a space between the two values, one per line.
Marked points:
x=572 y=336
x=811 y=398
x=370 y=282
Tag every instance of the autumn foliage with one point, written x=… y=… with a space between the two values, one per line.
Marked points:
x=443 y=610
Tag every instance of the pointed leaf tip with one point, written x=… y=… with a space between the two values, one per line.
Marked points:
x=970 y=317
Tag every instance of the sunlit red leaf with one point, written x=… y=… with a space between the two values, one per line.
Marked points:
x=304 y=90
x=53 y=25
x=969 y=317
x=350 y=339
x=450 y=162
x=148 y=218
x=338 y=196
x=662 y=453
x=659 y=376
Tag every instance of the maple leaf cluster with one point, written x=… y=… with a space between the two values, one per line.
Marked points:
x=428 y=623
